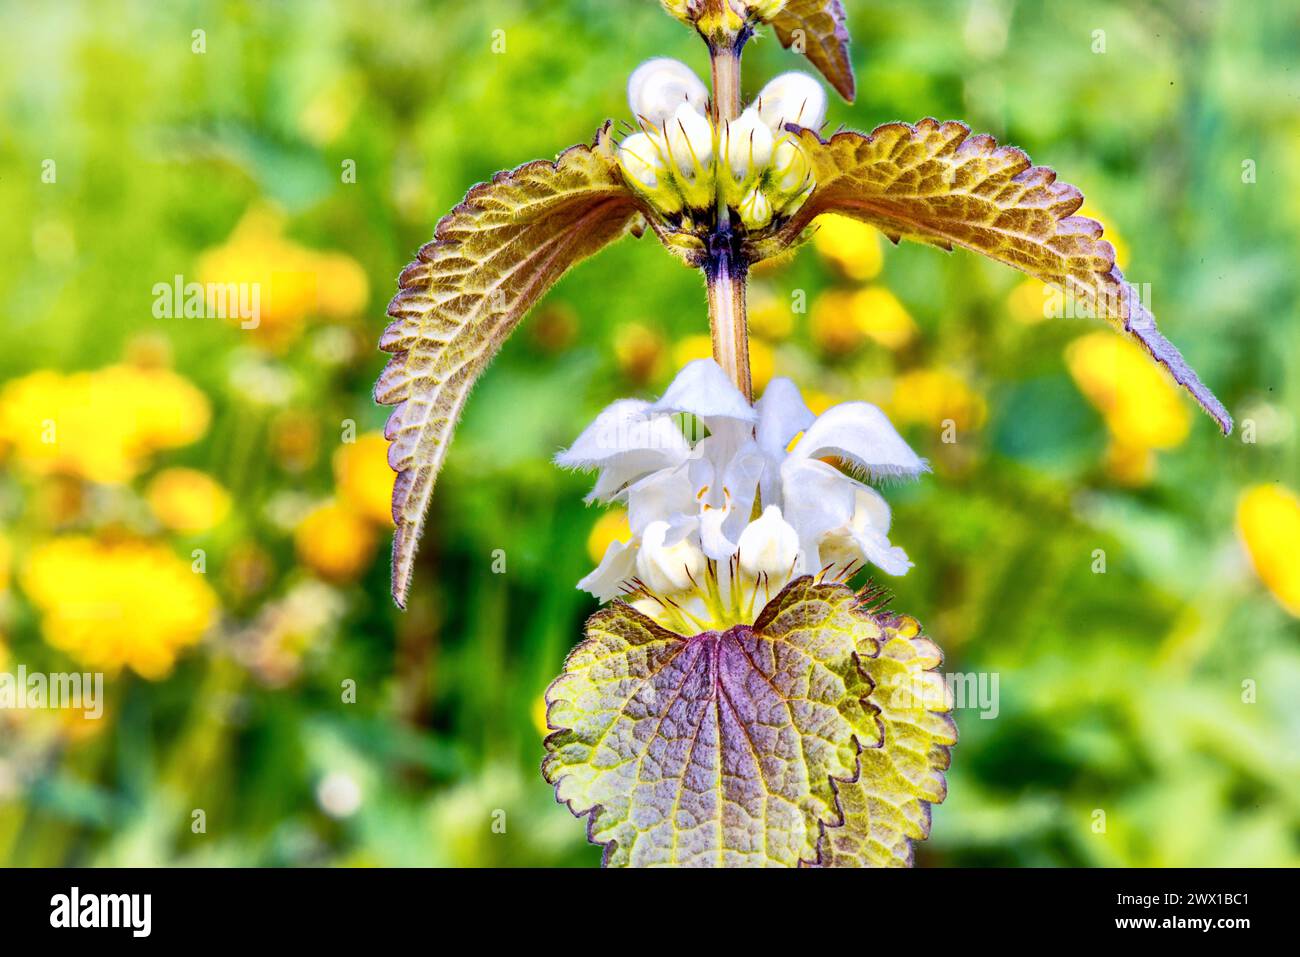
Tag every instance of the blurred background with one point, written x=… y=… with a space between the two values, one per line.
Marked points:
x=201 y=510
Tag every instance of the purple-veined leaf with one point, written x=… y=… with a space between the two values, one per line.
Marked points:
x=490 y=260
x=937 y=184
x=723 y=748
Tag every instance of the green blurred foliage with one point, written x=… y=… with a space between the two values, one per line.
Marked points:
x=1119 y=692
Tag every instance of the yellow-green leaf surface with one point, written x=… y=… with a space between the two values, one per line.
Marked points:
x=817 y=28
x=935 y=183
x=490 y=260
x=888 y=806
x=717 y=749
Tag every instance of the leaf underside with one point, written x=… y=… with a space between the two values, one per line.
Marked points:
x=721 y=749
x=937 y=184
x=819 y=26
x=489 y=262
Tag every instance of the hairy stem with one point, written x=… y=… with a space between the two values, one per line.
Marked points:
x=726 y=278
x=725 y=272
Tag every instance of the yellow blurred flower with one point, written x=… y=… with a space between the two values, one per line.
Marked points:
x=6 y=562
x=113 y=605
x=639 y=351
x=538 y=714
x=101 y=426
x=293 y=281
x=335 y=542
x=612 y=526
x=842 y=320
x=929 y=397
x=851 y=246
x=1030 y=301
x=187 y=500
x=1133 y=465
x=690 y=348
x=1268 y=522
x=770 y=317
x=365 y=482
x=1141 y=407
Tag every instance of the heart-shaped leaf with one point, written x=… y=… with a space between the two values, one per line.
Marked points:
x=717 y=749
x=816 y=28
x=888 y=806
x=490 y=260
x=937 y=184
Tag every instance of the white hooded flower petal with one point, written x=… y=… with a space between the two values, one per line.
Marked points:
x=690 y=141
x=769 y=546
x=642 y=157
x=748 y=145
x=616 y=567
x=626 y=441
x=816 y=499
x=666 y=568
x=792 y=98
x=658 y=87
x=704 y=390
x=861 y=435
x=782 y=414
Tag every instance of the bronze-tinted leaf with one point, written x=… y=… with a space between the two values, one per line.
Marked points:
x=490 y=260
x=817 y=26
x=937 y=184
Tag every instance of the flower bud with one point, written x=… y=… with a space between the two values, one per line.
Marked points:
x=768 y=546
x=792 y=98
x=642 y=158
x=690 y=141
x=667 y=568
x=749 y=145
x=790 y=168
x=658 y=87
x=755 y=209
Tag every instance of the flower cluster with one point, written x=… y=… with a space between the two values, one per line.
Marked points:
x=720 y=525
x=684 y=165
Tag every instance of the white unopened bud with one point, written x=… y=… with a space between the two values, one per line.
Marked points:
x=668 y=568
x=658 y=87
x=755 y=209
x=690 y=141
x=792 y=98
x=642 y=157
x=790 y=167
x=768 y=546
x=749 y=145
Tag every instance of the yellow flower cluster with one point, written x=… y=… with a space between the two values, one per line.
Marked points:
x=187 y=501
x=337 y=539
x=931 y=397
x=102 y=425
x=295 y=282
x=1142 y=409
x=1268 y=521
x=849 y=245
x=111 y=605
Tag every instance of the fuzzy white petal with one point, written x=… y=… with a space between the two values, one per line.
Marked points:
x=704 y=390
x=862 y=435
x=616 y=567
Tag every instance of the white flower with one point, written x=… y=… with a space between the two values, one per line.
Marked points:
x=642 y=160
x=749 y=145
x=684 y=498
x=768 y=546
x=658 y=87
x=792 y=98
x=690 y=141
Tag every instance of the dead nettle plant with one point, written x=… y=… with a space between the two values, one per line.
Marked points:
x=735 y=701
